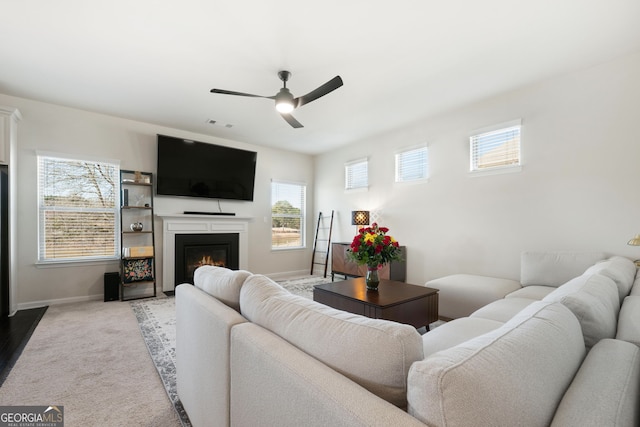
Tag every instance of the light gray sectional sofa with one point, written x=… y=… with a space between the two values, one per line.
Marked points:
x=249 y=353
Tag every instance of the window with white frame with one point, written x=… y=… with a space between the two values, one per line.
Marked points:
x=78 y=209
x=412 y=165
x=356 y=174
x=288 y=201
x=496 y=147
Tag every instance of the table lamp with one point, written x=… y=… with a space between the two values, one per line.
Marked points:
x=635 y=242
x=359 y=218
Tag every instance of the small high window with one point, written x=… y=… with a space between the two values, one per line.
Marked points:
x=496 y=147
x=356 y=174
x=412 y=165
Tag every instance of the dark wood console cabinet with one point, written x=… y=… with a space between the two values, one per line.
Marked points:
x=341 y=265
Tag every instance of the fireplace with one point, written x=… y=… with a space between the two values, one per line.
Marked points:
x=195 y=250
x=174 y=225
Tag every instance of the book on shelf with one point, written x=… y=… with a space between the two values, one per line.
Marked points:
x=137 y=251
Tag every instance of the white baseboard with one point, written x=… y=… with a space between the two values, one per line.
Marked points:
x=44 y=303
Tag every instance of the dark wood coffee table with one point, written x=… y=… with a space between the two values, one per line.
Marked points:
x=397 y=301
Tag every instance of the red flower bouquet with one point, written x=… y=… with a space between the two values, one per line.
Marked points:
x=373 y=247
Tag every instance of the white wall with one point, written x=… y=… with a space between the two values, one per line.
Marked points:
x=58 y=129
x=578 y=188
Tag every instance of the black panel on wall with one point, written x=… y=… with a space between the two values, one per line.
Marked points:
x=4 y=241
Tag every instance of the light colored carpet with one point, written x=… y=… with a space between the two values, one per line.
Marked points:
x=89 y=357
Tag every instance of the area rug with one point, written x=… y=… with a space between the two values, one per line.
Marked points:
x=157 y=321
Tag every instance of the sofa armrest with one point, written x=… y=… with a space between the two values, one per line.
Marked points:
x=606 y=389
x=203 y=328
x=275 y=383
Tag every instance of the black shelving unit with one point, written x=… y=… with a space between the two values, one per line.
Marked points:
x=137 y=240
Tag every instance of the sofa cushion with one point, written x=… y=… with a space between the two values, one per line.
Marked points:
x=374 y=353
x=541 y=346
x=629 y=320
x=461 y=294
x=532 y=292
x=594 y=301
x=274 y=383
x=222 y=283
x=503 y=309
x=456 y=332
x=555 y=268
x=606 y=389
x=619 y=269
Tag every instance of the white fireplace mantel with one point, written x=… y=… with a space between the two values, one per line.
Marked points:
x=173 y=224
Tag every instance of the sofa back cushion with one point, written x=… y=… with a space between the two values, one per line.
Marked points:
x=517 y=372
x=555 y=268
x=593 y=299
x=374 y=353
x=619 y=269
x=606 y=389
x=221 y=283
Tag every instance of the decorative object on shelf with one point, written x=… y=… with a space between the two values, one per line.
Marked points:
x=138 y=270
x=136 y=226
x=373 y=247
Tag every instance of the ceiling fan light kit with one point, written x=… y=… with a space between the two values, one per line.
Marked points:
x=285 y=102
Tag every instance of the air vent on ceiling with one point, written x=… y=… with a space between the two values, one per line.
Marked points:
x=216 y=123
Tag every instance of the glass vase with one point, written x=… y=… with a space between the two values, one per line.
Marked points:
x=371 y=279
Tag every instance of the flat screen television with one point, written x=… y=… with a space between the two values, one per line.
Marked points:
x=197 y=169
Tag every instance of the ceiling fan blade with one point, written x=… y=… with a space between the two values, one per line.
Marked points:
x=230 y=92
x=291 y=120
x=326 y=88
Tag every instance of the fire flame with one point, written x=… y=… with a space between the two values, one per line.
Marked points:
x=207 y=260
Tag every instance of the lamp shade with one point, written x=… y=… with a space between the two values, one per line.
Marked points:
x=635 y=241
x=359 y=217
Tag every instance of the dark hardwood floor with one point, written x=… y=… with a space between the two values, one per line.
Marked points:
x=15 y=332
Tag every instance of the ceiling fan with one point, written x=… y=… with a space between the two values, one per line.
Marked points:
x=285 y=102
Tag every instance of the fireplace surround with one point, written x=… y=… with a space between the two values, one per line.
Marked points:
x=179 y=224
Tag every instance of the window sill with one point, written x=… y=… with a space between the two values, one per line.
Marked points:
x=496 y=171
x=284 y=249
x=76 y=263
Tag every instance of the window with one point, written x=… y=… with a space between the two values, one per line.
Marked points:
x=287 y=215
x=77 y=204
x=496 y=148
x=412 y=165
x=356 y=174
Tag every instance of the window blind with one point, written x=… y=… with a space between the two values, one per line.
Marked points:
x=497 y=148
x=356 y=174
x=77 y=203
x=288 y=202
x=412 y=165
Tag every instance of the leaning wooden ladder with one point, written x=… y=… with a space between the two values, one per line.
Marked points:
x=323 y=235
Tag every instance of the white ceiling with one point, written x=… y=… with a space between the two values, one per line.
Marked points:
x=401 y=61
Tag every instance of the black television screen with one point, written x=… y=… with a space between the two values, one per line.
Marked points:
x=197 y=169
